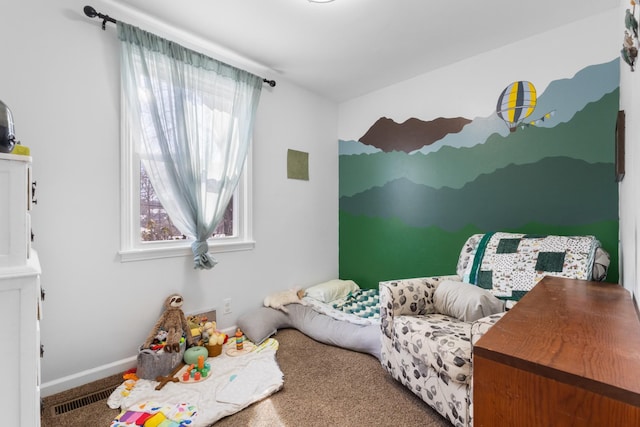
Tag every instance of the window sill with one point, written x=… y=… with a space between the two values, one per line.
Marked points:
x=181 y=250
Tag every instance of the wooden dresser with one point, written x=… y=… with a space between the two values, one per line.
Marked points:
x=568 y=354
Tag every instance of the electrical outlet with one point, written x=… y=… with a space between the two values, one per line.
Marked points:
x=227 y=306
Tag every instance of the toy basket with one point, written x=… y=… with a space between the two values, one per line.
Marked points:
x=214 y=349
x=152 y=364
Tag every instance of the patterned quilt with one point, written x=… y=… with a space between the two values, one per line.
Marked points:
x=363 y=303
x=361 y=307
x=510 y=264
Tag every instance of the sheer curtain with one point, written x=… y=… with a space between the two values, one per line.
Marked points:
x=195 y=118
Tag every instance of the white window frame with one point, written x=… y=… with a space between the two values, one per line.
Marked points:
x=132 y=248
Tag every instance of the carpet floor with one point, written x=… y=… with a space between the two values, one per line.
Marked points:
x=323 y=386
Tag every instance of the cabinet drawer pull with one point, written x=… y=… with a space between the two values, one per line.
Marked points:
x=34 y=184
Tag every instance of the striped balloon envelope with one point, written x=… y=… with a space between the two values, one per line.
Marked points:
x=516 y=102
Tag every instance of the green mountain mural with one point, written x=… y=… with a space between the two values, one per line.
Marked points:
x=595 y=123
x=557 y=190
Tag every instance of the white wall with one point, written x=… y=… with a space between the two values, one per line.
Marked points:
x=60 y=78
x=630 y=185
x=470 y=88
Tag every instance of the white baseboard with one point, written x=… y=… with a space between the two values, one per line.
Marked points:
x=81 y=378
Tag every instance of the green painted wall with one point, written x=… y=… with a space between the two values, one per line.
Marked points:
x=407 y=212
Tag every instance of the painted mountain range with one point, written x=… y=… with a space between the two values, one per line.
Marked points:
x=411 y=135
x=587 y=86
x=455 y=166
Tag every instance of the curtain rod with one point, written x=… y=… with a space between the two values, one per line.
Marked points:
x=92 y=13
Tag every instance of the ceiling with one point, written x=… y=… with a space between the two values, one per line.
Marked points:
x=348 y=48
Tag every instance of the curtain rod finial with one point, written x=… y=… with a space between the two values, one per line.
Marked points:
x=90 y=12
x=271 y=83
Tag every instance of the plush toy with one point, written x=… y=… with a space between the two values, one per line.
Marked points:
x=208 y=328
x=194 y=322
x=159 y=340
x=174 y=323
x=280 y=299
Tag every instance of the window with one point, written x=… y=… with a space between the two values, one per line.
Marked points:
x=191 y=118
x=155 y=223
x=141 y=239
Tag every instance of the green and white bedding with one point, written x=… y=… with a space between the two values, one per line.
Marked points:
x=361 y=307
x=363 y=303
x=510 y=264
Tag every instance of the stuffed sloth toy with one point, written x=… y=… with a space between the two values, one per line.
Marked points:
x=280 y=299
x=173 y=322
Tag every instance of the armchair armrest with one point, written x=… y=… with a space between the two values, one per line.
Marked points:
x=482 y=326
x=407 y=297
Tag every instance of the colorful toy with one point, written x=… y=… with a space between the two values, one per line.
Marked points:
x=210 y=335
x=191 y=354
x=239 y=339
x=154 y=414
x=174 y=323
x=197 y=372
x=130 y=378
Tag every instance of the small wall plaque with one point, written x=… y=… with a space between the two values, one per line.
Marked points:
x=297 y=165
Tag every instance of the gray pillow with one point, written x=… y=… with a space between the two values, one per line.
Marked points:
x=465 y=301
x=265 y=322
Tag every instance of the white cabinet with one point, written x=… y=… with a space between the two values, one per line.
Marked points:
x=15 y=205
x=20 y=297
x=20 y=312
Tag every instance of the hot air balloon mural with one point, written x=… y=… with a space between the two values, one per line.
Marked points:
x=516 y=102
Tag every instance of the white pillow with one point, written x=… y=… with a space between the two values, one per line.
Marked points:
x=331 y=290
x=465 y=301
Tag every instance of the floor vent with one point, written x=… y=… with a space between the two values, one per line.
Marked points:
x=82 y=401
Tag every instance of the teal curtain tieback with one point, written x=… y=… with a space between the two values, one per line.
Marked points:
x=201 y=257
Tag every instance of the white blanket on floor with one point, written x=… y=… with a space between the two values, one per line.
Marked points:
x=235 y=383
